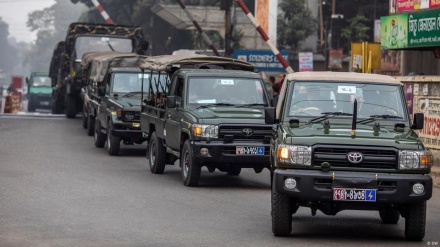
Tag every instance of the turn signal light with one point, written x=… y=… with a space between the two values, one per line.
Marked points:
x=197 y=130
x=425 y=160
x=283 y=153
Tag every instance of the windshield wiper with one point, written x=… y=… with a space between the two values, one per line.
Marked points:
x=109 y=45
x=326 y=114
x=374 y=117
x=132 y=93
x=250 y=105
x=216 y=104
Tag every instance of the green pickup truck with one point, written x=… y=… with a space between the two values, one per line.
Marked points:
x=39 y=91
x=208 y=112
x=346 y=141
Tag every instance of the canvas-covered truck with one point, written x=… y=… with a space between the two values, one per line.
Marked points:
x=208 y=113
x=114 y=93
x=346 y=141
x=39 y=91
x=82 y=38
x=95 y=65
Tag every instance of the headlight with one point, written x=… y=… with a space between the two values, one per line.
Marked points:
x=414 y=159
x=298 y=155
x=205 y=130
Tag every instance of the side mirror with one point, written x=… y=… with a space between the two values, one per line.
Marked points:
x=101 y=91
x=269 y=115
x=171 y=102
x=418 y=121
x=27 y=80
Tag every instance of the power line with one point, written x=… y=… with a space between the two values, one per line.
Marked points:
x=14 y=1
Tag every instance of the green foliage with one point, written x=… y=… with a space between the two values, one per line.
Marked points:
x=357 y=29
x=294 y=24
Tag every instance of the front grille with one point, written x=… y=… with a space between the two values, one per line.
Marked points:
x=373 y=157
x=239 y=131
x=137 y=116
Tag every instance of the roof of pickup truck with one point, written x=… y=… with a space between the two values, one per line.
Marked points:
x=167 y=62
x=342 y=76
x=219 y=72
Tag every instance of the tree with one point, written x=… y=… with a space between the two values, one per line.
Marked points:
x=294 y=24
x=51 y=26
x=7 y=52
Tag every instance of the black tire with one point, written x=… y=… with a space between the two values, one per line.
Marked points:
x=389 y=216
x=84 y=118
x=70 y=106
x=156 y=154
x=415 y=221
x=281 y=214
x=99 y=136
x=90 y=125
x=57 y=107
x=113 y=142
x=189 y=168
x=234 y=171
x=31 y=107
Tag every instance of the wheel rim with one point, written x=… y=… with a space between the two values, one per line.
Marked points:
x=185 y=164
x=108 y=138
x=96 y=132
x=152 y=154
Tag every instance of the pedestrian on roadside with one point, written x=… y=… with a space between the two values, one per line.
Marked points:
x=276 y=91
x=269 y=87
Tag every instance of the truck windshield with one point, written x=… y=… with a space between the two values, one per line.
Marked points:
x=39 y=81
x=234 y=91
x=132 y=82
x=318 y=98
x=90 y=43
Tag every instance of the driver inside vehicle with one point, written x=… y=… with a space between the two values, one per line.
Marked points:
x=307 y=101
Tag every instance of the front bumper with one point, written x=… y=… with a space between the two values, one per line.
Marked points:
x=316 y=185
x=225 y=153
x=127 y=131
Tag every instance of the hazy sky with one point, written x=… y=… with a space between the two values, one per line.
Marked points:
x=15 y=13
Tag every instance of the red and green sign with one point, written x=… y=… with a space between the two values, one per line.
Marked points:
x=410 y=30
x=400 y=6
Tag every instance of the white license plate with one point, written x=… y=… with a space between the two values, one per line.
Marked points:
x=249 y=150
x=44 y=103
x=343 y=194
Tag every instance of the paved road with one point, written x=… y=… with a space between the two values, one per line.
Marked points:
x=57 y=189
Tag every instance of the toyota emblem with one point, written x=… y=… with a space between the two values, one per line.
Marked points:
x=355 y=157
x=247 y=132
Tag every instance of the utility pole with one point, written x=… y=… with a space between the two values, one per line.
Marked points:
x=226 y=6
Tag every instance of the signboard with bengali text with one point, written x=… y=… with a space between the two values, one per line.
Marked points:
x=400 y=6
x=410 y=30
x=305 y=61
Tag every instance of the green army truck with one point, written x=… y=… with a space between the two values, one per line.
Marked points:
x=208 y=113
x=346 y=141
x=39 y=91
x=114 y=90
x=82 y=38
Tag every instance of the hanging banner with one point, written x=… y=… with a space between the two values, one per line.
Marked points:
x=335 y=58
x=305 y=61
x=400 y=6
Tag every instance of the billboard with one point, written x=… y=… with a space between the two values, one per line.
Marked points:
x=410 y=30
x=400 y=6
x=305 y=61
x=263 y=60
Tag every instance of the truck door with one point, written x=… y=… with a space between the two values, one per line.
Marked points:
x=172 y=116
x=103 y=107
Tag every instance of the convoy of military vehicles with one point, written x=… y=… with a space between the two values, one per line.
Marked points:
x=332 y=141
